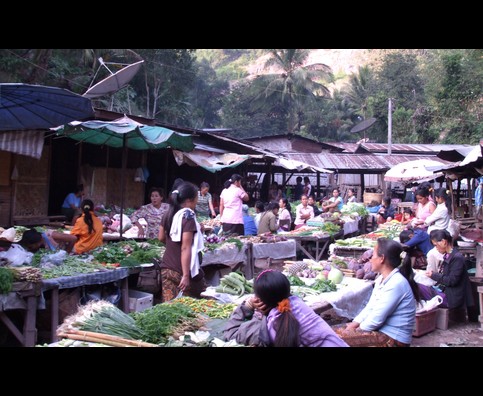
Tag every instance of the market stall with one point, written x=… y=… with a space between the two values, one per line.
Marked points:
x=23 y=296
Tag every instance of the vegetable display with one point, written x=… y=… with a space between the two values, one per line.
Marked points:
x=234 y=283
x=162 y=320
x=211 y=308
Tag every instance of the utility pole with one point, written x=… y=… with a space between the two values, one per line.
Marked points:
x=389 y=127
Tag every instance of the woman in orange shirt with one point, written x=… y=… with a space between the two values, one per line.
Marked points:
x=86 y=234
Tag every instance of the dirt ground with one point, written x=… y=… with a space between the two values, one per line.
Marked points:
x=468 y=334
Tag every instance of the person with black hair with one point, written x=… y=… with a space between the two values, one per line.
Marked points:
x=452 y=280
x=32 y=241
x=231 y=201
x=269 y=219
x=72 y=203
x=299 y=189
x=439 y=219
x=204 y=207
x=274 y=317
x=284 y=216
x=181 y=263
x=86 y=234
x=389 y=317
x=152 y=213
x=259 y=209
x=425 y=207
x=417 y=244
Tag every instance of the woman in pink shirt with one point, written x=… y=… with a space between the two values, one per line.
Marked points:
x=231 y=202
x=425 y=207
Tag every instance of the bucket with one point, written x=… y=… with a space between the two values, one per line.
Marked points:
x=368 y=197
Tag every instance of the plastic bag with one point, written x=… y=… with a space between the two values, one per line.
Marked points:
x=55 y=259
x=16 y=256
x=424 y=306
x=126 y=222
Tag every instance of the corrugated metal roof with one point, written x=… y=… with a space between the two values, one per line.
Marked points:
x=410 y=148
x=347 y=147
x=367 y=163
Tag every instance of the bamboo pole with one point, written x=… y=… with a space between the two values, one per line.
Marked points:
x=105 y=337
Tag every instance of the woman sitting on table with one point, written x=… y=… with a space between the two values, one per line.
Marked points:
x=152 y=213
x=274 y=317
x=335 y=203
x=389 y=317
x=86 y=234
x=303 y=212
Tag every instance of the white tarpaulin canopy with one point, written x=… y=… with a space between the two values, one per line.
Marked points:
x=416 y=170
x=298 y=165
x=208 y=160
x=215 y=161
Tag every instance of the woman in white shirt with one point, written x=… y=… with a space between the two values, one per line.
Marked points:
x=439 y=219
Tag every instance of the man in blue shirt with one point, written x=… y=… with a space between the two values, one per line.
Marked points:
x=416 y=238
x=72 y=203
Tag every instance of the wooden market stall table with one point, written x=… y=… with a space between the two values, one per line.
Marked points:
x=94 y=278
x=321 y=244
x=24 y=296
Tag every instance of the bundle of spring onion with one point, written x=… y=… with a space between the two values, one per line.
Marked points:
x=100 y=321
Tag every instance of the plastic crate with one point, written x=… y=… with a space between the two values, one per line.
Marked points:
x=425 y=323
x=139 y=301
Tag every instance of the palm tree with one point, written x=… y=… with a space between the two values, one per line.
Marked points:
x=357 y=92
x=291 y=85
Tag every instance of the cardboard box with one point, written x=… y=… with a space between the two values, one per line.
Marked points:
x=139 y=301
x=425 y=323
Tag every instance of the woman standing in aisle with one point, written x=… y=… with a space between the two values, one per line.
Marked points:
x=231 y=201
x=181 y=264
x=152 y=213
x=204 y=207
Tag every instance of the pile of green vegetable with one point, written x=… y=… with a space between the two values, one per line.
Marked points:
x=6 y=280
x=164 y=320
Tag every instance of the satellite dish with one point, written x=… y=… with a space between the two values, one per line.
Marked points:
x=113 y=83
x=363 y=125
